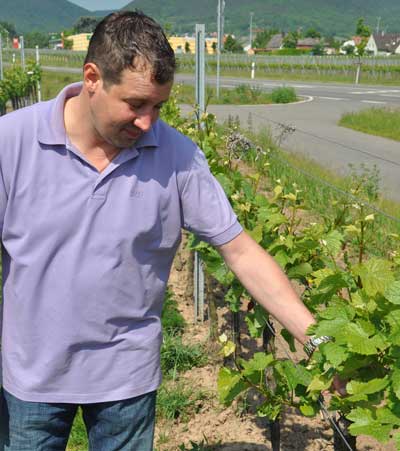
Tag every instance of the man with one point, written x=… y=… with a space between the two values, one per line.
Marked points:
x=94 y=192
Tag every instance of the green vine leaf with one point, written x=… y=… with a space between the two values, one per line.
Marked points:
x=332 y=242
x=367 y=388
x=376 y=275
x=334 y=353
x=364 y=423
x=230 y=384
x=392 y=292
x=259 y=362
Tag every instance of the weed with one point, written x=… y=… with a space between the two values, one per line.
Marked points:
x=171 y=319
x=177 y=357
x=201 y=446
x=284 y=94
x=177 y=401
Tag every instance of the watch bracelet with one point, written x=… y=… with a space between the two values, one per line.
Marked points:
x=313 y=343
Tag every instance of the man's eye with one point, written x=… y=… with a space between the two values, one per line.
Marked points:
x=135 y=106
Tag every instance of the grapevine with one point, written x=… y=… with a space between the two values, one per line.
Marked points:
x=354 y=296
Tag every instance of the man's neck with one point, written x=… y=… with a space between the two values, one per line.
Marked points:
x=80 y=133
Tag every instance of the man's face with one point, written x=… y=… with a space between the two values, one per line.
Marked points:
x=122 y=112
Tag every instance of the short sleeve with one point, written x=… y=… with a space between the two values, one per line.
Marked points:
x=206 y=210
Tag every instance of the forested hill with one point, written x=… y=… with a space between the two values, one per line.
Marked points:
x=41 y=15
x=329 y=16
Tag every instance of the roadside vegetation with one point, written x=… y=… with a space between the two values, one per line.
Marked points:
x=243 y=94
x=375 y=121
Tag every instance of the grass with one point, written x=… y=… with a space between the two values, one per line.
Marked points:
x=53 y=82
x=172 y=320
x=78 y=438
x=240 y=95
x=374 y=121
x=177 y=357
x=176 y=400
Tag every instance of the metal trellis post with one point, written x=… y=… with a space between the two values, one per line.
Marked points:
x=200 y=101
x=22 y=48
x=39 y=88
x=1 y=58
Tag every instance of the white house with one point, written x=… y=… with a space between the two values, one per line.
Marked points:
x=383 y=44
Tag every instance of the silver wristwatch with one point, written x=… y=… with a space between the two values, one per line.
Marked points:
x=312 y=344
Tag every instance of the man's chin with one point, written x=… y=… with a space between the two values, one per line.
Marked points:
x=123 y=143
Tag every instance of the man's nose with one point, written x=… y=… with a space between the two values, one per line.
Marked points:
x=144 y=121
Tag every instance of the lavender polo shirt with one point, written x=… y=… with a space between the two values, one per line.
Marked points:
x=87 y=255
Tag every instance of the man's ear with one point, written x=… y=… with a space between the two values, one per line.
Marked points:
x=91 y=77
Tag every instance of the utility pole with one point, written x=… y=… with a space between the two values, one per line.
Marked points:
x=251 y=30
x=377 y=25
x=220 y=38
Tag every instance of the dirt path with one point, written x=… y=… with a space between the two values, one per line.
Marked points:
x=235 y=428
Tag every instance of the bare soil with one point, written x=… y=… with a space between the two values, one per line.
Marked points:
x=235 y=428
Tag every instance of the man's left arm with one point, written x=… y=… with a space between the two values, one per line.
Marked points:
x=268 y=285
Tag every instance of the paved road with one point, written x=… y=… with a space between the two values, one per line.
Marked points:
x=317 y=134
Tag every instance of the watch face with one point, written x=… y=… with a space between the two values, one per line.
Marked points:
x=316 y=341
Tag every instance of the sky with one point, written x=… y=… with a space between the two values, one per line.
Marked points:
x=98 y=5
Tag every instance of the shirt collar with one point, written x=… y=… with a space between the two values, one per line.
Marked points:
x=51 y=129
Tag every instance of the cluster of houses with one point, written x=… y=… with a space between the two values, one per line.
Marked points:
x=378 y=44
x=277 y=43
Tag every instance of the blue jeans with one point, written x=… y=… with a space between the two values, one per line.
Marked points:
x=126 y=425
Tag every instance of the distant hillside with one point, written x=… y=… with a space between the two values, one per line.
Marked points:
x=329 y=16
x=41 y=15
x=101 y=13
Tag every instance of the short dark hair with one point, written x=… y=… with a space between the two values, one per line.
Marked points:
x=129 y=39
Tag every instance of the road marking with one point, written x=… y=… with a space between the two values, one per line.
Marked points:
x=390 y=91
x=389 y=95
x=227 y=86
x=332 y=98
x=301 y=86
x=306 y=100
x=373 y=101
